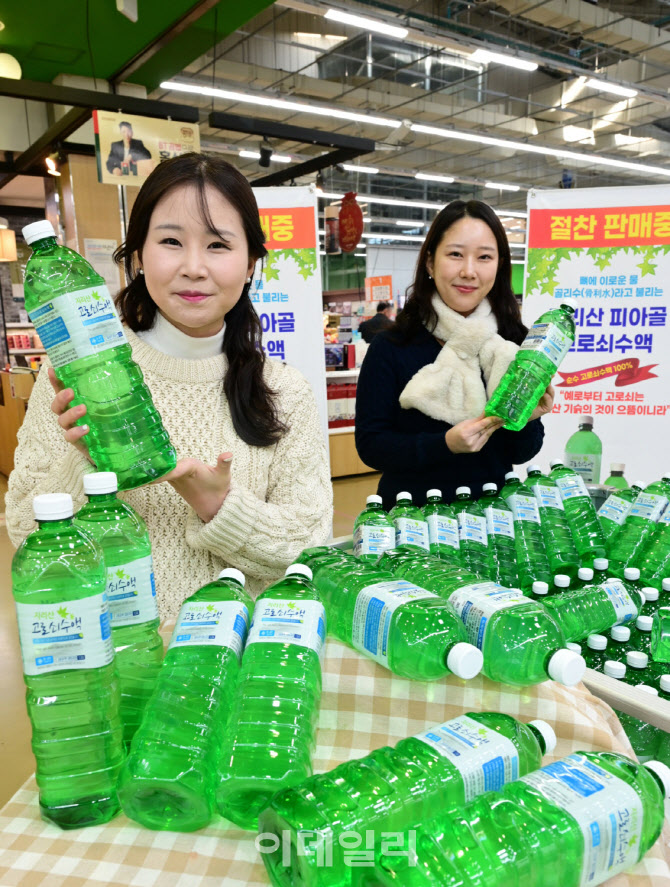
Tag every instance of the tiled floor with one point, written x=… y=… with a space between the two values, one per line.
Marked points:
x=15 y=752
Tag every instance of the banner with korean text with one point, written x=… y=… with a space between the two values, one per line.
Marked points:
x=287 y=295
x=606 y=252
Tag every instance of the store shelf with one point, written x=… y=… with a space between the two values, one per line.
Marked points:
x=15 y=325
x=27 y=351
x=346 y=429
x=342 y=375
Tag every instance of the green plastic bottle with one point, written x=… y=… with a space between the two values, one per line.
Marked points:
x=442 y=527
x=577 y=821
x=131 y=593
x=528 y=375
x=271 y=734
x=539 y=591
x=391 y=790
x=644 y=737
x=637 y=529
x=473 y=536
x=374 y=532
x=580 y=513
x=584 y=577
x=584 y=451
x=663 y=752
x=615 y=509
x=531 y=556
x=616 y=478
x=659 y=643
x=500 y=533
x=411 y=529
x=617 y=644
x=74 y=315
x=72 y=694
x=170 y=777
x=558 y=542
x=596 y=653
x=653 y=557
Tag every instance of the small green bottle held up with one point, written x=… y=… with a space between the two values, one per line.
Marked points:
x=374 y=532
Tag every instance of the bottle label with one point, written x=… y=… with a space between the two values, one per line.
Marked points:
x=571 y=487
x=476 y=603
x=472 y=528
x=300 y=622
x=588 y=466
x=373 y=540
x=375 y=606
x=547 y=497
x=649 y=506
x=609 y=813
x=65 y=636
x=615 y=509
x=486 y=759
x=131 y=592
x=499 y=522
x=78 y=324
x=626 y=608
x=665 y=517
x=442 y=530
x=409 y=531
x=211 y=624
x=524 y=508
x=547 y=339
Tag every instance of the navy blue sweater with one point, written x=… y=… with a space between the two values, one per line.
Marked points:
x=407 y=446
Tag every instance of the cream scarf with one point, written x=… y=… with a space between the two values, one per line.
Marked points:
x=451 y=389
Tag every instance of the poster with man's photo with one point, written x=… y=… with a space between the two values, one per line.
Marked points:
x=129 y=147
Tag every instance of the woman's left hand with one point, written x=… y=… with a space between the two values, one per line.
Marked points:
x=545 y=405
x=204 y=487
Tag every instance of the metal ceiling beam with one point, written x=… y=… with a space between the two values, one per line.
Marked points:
x=288 y=173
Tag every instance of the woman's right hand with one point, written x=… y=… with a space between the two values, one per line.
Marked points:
x=471 y=435
x=67 y=415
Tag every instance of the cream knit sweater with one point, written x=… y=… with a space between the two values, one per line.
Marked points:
x=280 y=500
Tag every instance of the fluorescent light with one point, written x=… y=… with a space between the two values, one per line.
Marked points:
x=367 y=24
x=486 y=58
x=370 y=170
x=360 y=255
x=427 y=177
x=501 y=186
x=386 y=201
x=409 y=223
x=282 y=104
x=417 y=238
x=255 y=155
x=614 y=88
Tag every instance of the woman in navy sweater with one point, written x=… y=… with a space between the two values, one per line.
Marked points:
x=423 y=384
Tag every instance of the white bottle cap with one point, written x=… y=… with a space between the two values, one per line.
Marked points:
x=465 y=660
x=487 y=487
x=299 y=570
x=403 y=495
x=644 y=623
x=600 y=563
x=512 y=475
x=547 y=732
x=38 y=231
x=232 y=573
x=374 y=498
x=663 y=773
x=585 y=574
x=561 y=580
x=100 y=482
x=555 y=462
x=540 y=587
x=632 y=574
x=620 y=633
x=617 y=466
x=586 y=420
x=461 y=490
x=650 y=594
x=433 y=493
x=639 y=483
x=665 y=682
x=574 y=647
x=533 y=467
x=52 y=506
x=614 y=669
x=666 y=584
x=648 y=689
x=636 y=659
x=566 y=667
x=596 y=641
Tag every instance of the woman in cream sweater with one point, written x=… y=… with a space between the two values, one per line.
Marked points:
x=252 y=485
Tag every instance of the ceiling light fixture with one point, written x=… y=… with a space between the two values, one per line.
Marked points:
x=368 y=24
x=275 y=158
x=388 y=201
x=501 y=186
x=52 y=163
x=409 y=223
x=369 y=170
x=613 y=88
x=486 y=58
x=428 y=177
x=414 y=238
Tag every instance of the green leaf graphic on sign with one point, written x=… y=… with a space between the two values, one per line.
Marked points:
x=305 y=259
x=62 y=612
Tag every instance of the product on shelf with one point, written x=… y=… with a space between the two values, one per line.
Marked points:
x=616 y=478
x=583 y=451
x=649 y=506
x=442 y=527
x=374 y=532
x=558 y=542
x=500 y=533
x=411 y=528
x=531 y=556
x=580 y=512
x=615 y=509
x=472 y=534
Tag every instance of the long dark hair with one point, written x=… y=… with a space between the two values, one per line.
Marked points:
x=419 y=312
x=252 y=402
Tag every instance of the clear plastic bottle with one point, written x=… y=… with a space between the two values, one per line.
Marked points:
x=271 y=734
x=600 y=570
x=442 y=527
x=617 y=645
x=411 y=529
x=404 y=627
x=474 y=545
x=558 y=541
x=615 y=509
x=374 y=532
x=74 y=315
x=659 y=643
x=616 y=478
x=170 y=776
x=531 y=556
x=653 y=557
x=500 y=533
x=131 y=593
x=554 y=827
x=584 y=451
x=580 y=513
x=539 y=591
x=392 y=789
x=526 y=379
x=639 y=525
x=561 y=583
x=595 y=652
x=72 y=694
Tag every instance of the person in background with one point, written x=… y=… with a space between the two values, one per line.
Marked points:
x=381 y=321
x=126 y=151
x=424 y=383
x=252 y=485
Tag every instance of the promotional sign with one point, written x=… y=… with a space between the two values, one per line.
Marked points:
x=606 y=252
x=379 y=289
x=351 y=223
x=288 y=296
x=128 y=147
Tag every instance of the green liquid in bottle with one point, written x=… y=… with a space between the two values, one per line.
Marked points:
x=476 y=555
x=638 y=527
x=500 y=532
x=442 y=528
x=531 y=555
x=558 y=542
x=616 y=478
x=584 y=451
x=374 y=532
x=580 y=513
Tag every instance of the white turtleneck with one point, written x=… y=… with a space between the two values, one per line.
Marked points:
x=166 y=338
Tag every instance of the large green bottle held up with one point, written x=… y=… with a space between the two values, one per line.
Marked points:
x=169 y=779
x=58 y=582
x=131 y=593
x=646 y=511
x=74 y=315
x=576 y=822
x=580 y=513
x=526 y=378
x=392 y=789
x=558 y=542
